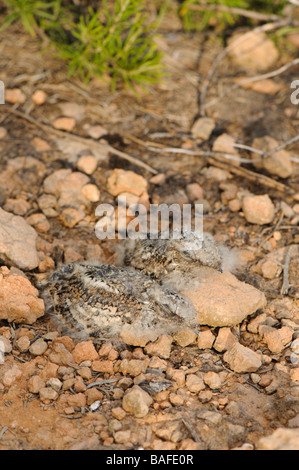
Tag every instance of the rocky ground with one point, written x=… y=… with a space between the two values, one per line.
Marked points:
x=232 y=383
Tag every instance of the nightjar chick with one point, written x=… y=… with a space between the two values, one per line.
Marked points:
x=157 y=257
x=104 y=300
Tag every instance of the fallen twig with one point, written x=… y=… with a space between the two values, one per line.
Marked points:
x=88 y=141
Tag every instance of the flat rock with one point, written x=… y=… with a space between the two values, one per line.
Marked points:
x=220 y=299
x=17 y=241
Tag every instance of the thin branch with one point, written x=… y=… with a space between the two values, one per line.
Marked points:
x=235 y=11
x=89 y=142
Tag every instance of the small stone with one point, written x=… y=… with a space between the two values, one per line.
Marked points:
x=277 y=163
x=11 y=375
x=77 y=399
x=158 y=179
x=176 y=400
x=55 y=383
x=270 y=269
x=225 y=340
x=14 y=96
x=60 y=354
x=85 y=372
x=40 y=145
x=39 y=97
x=225 y=144
x=122 y=437
x=5 y=345
x=205 y=396
x=35 y=383
x=64 y=124
x=137 y=402
x=18 y=206
x=48 y=393
x=215 y=174
x=212 y=379
x=194 y=383
x=129 y=336
x=235 y=205
x=272 y=338
x=104 y=366
x=97 y=131
x=87 y=163
x=39 y=222
x=205 y=339
x=118 y=413
x=203 y=128
x=38 y=348
x=185 y=337
x=48 y=205
x=121 y=181
x=71 y=216
x=194 y=191
x=3 y=132
x=47 y=264
x=295 y=375
x=133 y=367
x=242 y=359
x=91 y=192
x=19 y=300
x=84 y=351
x=253 y=52
x=258 y=209
x=161 y=347
x=23 y=343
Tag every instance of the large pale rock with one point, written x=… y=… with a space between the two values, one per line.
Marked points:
x=17 y=241
x=280 y=439
x=220 y=299
x=19 y=300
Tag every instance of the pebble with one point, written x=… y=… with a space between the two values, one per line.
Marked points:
x=161 y=347
x=270 y=269
x=18 y=241
x=96 y=132
x=212 y=379
x=47 y=394
x=39 y=97
x=122 y=437
x=258 y=209
x=64 y=124
x=35 y=384
x=19 y=300
x=121 y=181
x=185 y=337
x=5 y=344
x=39 y=222
x=77 y=399
x=242 y=359
x=60 y=354
x=133 y=367
x=225 y=340
x=71 y=216
x=23 y=343
x=11 y=375
x=84 y=351
x=215 y=174
x=91 y=192
x=137 y=401
x=19 y=206
x=118 y=412
x=194 y=383
x=87 y=163
x=253 y=53
x=205 y=339
x=223 y=300
x=55 y=383
x=39 y=347
x=203 y=128
x=14 y=96
x=104 y=366
x=278 y=163
x=225 y=144
x=194 y=191
x=48 y=205
x=3 y=132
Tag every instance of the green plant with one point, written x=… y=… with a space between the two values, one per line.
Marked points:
x=122 y=45
x=31 y=13
x=116 y=42
x=197 y=15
